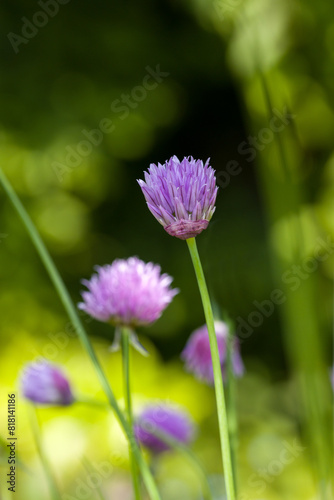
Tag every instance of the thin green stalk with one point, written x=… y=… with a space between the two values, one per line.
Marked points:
x=231 y=401
x=85 y=400
x=174 y=444
x=4 y=459
x=73 y=315
x=128 y=405
x=187 y=452
x=303 y=342
x=218 y=379
x=89 y=469
x=55 y=494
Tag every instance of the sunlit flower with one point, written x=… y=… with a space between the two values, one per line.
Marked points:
x=166 y=419
x=181 y=195
x=197 y=354
x=43 y=382
x=128 y=292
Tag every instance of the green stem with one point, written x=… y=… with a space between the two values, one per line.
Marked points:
x=4 y=460
x=231 y=401
x=303 y=329
x=187 y=452
x=85 y=400
x=73 y=315
x=55 y=494
x=218 y=379
x=173 y=443
x=128 y=405
x=89 y=469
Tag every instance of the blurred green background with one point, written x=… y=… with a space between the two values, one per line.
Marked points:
x=227 y=68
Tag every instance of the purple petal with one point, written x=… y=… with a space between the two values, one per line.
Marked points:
x=185 y=189
x=197 y=353
x=44 y=383
x=167 y=419
x=128 y=292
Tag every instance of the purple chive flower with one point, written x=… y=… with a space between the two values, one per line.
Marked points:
x=44 y=383
x=128 y=292
x=197 y=354
x=167 y=419
x=181 y=195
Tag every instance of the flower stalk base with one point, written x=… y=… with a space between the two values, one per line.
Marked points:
x=218 y=379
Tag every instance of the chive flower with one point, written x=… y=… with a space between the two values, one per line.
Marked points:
x=181 y=195
x=44 y=383
x=127 y=293
x=167 y=419
x=197 y=354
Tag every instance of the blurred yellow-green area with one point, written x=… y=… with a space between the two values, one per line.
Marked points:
x=91 y=93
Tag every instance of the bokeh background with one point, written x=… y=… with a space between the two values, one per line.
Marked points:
x=227 y=68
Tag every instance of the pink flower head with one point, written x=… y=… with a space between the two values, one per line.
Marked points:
x=44 y=383
x=127 y=292
x=181 y=195
x=197 y=354
x=169 y=420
